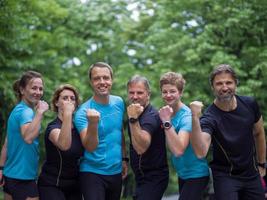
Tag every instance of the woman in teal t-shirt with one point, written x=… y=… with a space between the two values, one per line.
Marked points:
x=176 y=117
x=21 y=155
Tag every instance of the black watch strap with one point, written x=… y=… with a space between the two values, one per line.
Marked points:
x=133 y=120
x=262 y=165
x=126 y=159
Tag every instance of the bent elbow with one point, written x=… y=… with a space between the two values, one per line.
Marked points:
x=28 y=140
x=65 y=147
x=91 y=148
x=178 y=153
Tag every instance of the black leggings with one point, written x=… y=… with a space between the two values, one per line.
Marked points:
x=230 y=188
x=56 y=193
x=192 y=188
x=151 y=187
x=104 y=187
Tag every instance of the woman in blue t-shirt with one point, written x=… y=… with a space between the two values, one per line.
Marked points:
x=20 y=153
x=176 y=117
x=59 y=177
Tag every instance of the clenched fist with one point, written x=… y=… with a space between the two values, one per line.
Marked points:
x=196 y=107
x=42 y=107
x=93 y=115
x=134 y=110
x=68 y=107
x=165 y=113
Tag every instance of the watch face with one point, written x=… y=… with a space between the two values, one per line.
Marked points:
x=167 y=125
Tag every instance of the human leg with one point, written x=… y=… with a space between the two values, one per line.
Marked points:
x=50 y=193
x=226 y=188
x=252 y=190
x=20 y=189
x=92 y=186
x=151 y=188
x=192 y=188
x=114 y=187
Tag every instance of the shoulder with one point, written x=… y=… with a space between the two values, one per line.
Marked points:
x=116 y=99
x=246 y=99
x=56 y=123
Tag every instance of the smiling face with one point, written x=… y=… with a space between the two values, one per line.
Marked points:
x=138 y=93
x=170 y=94
x=101 y=81
x=224 y=87
x=33 y=91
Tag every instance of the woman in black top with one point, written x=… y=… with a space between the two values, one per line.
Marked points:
x=59 y=177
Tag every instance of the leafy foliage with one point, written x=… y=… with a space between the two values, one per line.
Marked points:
x=61 y=38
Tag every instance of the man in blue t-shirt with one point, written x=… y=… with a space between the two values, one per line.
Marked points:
x=147 y=148
x=99 y=122
x=234 y=126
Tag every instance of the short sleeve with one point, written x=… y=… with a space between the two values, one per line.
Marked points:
x=26 y=116
x=80 y=119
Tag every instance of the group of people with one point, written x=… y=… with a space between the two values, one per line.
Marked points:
x=86 y=156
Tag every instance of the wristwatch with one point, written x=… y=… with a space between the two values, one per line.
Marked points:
x=167 y=125
x=126 y=159
x=262 y=165
x=133 y=120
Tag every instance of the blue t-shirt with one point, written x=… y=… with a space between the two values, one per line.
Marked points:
x=106 y=159
x=22 y=158
x=188 y=165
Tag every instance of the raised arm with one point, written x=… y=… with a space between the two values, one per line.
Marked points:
x=62 y=138
x=141 y=139
x=30 y=131
x=200 y=140
x=89 y=135
x=177 y=143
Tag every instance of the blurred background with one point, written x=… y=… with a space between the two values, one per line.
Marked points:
x=62 y=38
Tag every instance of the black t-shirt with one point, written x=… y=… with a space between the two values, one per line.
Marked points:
x=233 y=145
x=60 y=165
x=154 y=159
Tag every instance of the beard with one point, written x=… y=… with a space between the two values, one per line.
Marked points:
x=225 y=97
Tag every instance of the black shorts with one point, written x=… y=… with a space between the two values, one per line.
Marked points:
x=20 y=189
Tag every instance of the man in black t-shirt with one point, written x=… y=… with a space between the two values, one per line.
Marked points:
x=147 y=149
x=234 y=126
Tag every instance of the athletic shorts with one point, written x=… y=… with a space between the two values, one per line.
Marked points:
x=20 y=189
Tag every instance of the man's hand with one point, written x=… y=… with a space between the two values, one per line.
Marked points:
x=134 y=110
x=93 y=115
x=196 y=107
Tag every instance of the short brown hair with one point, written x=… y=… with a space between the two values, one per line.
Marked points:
x=173 y=78
x=101 y=65
x=57 y=94
x=222 y=68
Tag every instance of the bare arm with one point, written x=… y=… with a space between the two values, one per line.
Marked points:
x=200 y=140
x=124 y=155
x=62 y=138
x=30 y=131
x=89 y=135
x=177 y=143
x=3 y=160
x=260 y=142
x=140 y=139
